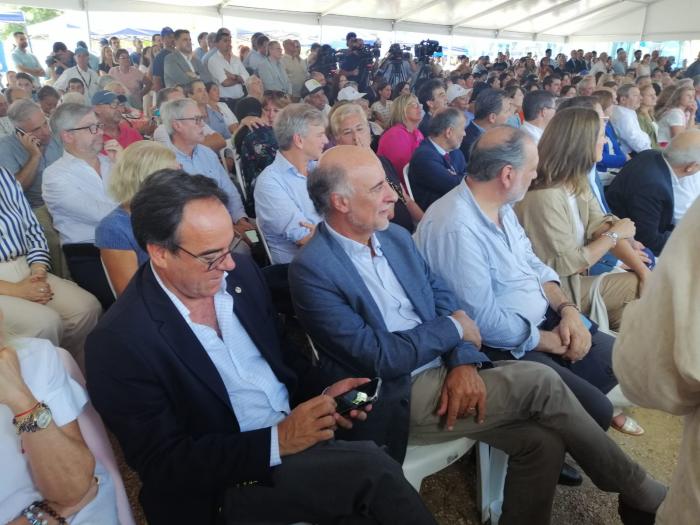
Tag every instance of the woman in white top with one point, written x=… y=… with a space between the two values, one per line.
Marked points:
x=271 y=71
x=678 y=114
x=47 y=470
x=381 y=109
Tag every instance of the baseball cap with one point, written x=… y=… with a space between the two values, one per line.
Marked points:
x=311 y=86
x=167 y=31
x=106 y=97
x=59 y=46
x=104 y=42
x=456 y=91
x=350 y=93
x=81 y=51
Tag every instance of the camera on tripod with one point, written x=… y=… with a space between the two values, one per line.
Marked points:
x=426 y=49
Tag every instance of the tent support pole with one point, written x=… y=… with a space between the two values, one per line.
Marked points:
x=87 y=20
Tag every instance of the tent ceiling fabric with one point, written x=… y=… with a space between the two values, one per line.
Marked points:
x=553 y=20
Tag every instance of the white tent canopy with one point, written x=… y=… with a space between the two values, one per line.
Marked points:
x=543 y=20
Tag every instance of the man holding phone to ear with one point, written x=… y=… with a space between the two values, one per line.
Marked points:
x=189 y=371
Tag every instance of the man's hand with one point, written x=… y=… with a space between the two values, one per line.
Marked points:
x=574 y=335
x=112 y=148
x=463 y=395
x=33 y=288
x=14 y=392
x=550 y=342
x=470 y=332
x=307 y=238
x=309 y=423
x=30 y=143
x=252 y=122
x=342 y=386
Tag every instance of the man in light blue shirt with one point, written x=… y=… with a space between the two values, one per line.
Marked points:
x=472 y=238
x=184 y=124
x=283 y=209
x=25 y=61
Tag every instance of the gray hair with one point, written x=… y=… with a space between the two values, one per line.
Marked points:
x=486 y=162
x=682 y=156
x=173 y=110
x=696 y=81
x=443 y=120
x=21 y=110
x=624 y=90
x=67 y=116
x=323 y=182
x=295 y=119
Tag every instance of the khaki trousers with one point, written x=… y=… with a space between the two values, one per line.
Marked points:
x=66 y=320
x=534 y=418
x=616 y=289
x=59 y=267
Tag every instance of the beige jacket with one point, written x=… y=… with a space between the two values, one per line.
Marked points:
x=657 y=358
x=547 y=219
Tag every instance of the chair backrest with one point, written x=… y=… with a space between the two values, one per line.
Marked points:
x=97 y=441
x=239 y=175
x=407 y=182
x=109 y=281
x=264 y=243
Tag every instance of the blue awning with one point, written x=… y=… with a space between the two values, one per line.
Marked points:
x=12 y=17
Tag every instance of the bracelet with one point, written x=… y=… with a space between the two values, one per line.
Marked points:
x=21 y=414
x=44 y=505
x=561 y=307
x=33 y=516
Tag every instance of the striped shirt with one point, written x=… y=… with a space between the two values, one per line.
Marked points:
x=20 y=232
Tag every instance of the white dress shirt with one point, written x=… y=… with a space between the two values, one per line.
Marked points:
x=632 y=137
x=533 y=131
x=218 y=66
x=76 y=197
x=90 y=78
x=257 y=397
x=685 y=191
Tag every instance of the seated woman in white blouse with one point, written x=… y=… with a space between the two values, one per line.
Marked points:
x=678 y=114
x=48 y=473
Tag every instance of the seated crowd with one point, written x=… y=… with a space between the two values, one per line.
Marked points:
x=473 y=239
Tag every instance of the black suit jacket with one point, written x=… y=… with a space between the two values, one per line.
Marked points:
x=643 y=192
x=472 y=133
x=160 y=394
x=431 y=176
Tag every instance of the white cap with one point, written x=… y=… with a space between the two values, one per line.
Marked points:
x=456 y=91
x=350 y=93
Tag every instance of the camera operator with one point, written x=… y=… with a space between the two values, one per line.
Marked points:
x=354 y=64
x=395 y=68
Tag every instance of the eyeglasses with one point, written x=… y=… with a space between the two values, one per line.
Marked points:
x=92 y=127
x=46 y=123
x=212 y=263
x=197 y=120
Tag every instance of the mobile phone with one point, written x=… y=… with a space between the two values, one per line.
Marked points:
x=358 y=397
x=252 y=236
x=20 y=131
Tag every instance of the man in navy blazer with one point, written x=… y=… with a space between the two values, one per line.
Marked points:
x=189 y=372
x=644 y=189
x=491 y=108
x=438 y=165
x=373 y=307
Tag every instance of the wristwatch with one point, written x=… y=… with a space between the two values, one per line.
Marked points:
x=612 y=235
x=38 y=419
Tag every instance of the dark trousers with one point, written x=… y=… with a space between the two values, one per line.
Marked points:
x=86 y=270
x=230 y=102
x=590 y=379
x=332 y=482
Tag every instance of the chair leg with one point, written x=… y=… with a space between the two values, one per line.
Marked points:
x=492 y=468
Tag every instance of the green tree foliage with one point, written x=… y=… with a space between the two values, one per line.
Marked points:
x=33 y=15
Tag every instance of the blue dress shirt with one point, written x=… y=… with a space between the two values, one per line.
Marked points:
x=281 y=203
x=493 y=271
x=258 y=398
x=204 y=161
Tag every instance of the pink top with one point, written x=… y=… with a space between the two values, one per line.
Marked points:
x=398 y=144
x=133 y=80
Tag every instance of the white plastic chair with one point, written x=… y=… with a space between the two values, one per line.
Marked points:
x=239 y=175
x=96 y=439
x=264 y=243
x=407 y=182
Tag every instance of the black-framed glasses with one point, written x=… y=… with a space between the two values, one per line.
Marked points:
x=92 y=127
x=212 y=261
x=197 y=120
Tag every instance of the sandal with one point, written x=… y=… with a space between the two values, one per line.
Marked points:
x=630 y=426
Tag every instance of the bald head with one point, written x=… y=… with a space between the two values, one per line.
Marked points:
x=683 y=153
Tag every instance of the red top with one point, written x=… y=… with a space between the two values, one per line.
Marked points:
x=127 y=135
x=398 y=144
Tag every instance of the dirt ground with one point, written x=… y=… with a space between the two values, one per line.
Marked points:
x=451 y=493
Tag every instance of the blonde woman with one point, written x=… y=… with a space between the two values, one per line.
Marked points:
x=403 y=136
x=119 y=251
x=678 y=114
x=645 y=114
x=564 y=221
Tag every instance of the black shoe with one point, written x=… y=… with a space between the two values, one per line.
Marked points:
x=631 y=516
x=569 y=476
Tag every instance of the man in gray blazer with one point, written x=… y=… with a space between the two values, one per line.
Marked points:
x=181 y=66
x=371 y=303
